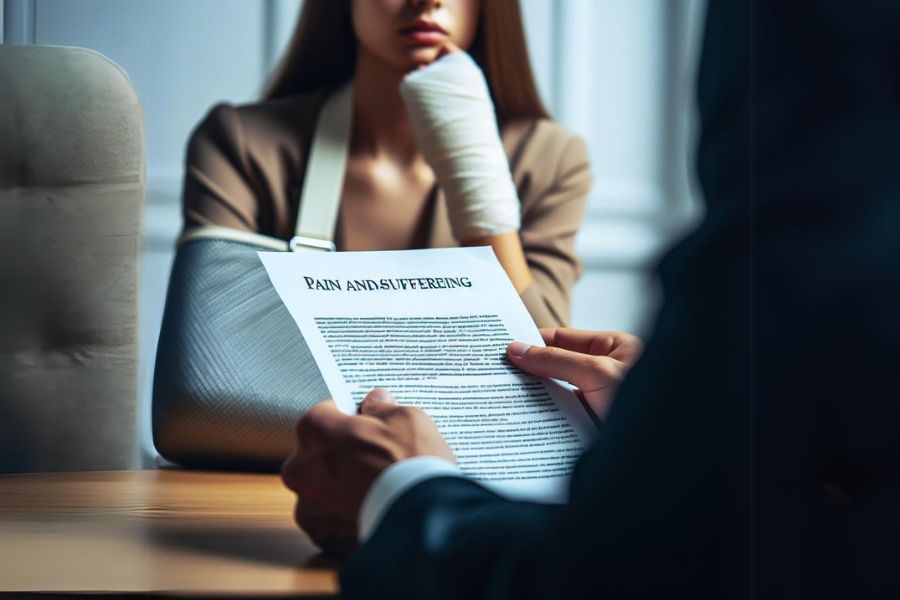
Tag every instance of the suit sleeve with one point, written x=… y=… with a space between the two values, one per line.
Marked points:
x=550 y=222
x=218 y=185
x=434 y=544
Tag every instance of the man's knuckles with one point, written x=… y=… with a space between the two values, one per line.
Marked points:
x=603 y=373
x=407 y=414
x=320 y=420
x=308 y=425
x=602 y=344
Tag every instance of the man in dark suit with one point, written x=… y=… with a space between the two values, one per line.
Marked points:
x=754 y=450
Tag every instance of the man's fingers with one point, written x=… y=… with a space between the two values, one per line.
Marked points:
x=623 y=347
x=582 y=370
x=377 y=402
x=318 y=422
x=599 y=343
x=576 y=340
x=548 y=333
x=325 y=405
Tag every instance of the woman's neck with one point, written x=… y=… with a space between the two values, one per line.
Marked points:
x=381 y=126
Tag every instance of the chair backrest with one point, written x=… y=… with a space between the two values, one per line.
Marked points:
x=72 y=179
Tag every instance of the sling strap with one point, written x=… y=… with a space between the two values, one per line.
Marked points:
x=325 y=169
x=320 y=197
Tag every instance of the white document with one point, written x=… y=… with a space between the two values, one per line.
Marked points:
x=432 y=326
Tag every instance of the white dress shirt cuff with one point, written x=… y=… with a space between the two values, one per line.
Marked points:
x=394 y=482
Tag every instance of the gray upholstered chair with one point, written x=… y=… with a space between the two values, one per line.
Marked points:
x=72 y=179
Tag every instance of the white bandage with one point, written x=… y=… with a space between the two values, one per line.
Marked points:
x=455 y=127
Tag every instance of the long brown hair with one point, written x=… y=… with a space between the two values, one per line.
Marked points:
x=322 y=53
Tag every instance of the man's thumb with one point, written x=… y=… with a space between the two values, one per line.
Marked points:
x=376 y=402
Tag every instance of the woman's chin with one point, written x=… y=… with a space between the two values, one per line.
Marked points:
x=409 y=58
x=421 y=56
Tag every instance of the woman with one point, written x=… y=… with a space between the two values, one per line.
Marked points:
x=245 y=165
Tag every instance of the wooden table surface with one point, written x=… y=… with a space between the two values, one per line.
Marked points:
x=180 y=533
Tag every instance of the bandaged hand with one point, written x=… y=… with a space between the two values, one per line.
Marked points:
x=456 y=129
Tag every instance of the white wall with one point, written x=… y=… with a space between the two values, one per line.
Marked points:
x=618 y=72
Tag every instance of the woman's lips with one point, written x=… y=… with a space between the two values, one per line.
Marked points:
x=424 y=33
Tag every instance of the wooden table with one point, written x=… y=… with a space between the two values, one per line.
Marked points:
x=179 y=533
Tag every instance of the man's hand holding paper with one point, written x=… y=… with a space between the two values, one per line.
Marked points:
x=354 y=449
x=595 y=362
x=433 y=327
x=338 y=457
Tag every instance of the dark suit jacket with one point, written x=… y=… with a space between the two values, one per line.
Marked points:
x=755 y=449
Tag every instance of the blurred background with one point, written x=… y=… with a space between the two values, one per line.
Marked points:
x=618 y=72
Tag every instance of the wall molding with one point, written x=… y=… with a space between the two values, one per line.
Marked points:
x=162 y=211
x=618 y=244
x=628 y=227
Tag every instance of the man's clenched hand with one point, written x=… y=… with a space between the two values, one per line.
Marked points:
x=338 y=457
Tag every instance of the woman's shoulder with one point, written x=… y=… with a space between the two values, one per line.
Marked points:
x=266 y=123
x=543 y=149
x=539 y=131
x=250 y=158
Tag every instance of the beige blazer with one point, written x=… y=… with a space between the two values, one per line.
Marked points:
x=245 y=168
